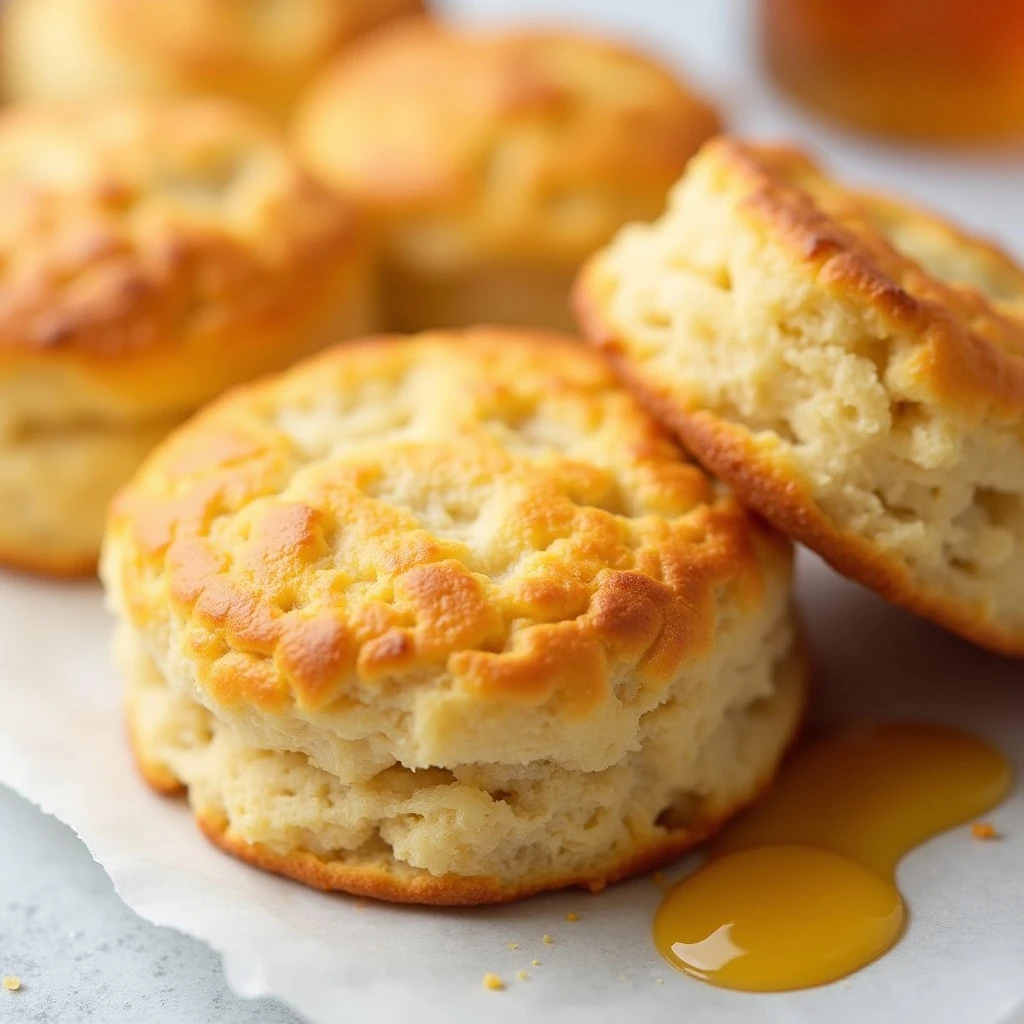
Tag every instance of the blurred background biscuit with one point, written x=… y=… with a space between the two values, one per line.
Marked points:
x=259 y=53
x=495 y=162
x=851 y=366
x=449 y=619
x=152 y=254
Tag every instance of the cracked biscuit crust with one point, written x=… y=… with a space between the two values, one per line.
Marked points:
x=438 y=550
x=155 y=252
x=852 y=367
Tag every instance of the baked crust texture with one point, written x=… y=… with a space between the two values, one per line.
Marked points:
x=464 y=593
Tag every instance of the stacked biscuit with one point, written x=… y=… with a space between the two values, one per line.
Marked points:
x=451 y=617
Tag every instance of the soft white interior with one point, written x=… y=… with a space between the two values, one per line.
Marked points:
x=718 y=315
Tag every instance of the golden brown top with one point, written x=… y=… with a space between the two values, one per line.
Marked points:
x=477 y=524
x=533 y=142
x=261 y=53
x=960 y=298
x=168 y=247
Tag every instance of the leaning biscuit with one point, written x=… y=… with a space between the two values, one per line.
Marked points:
x=261 y=54
x=153 y=254
x=449 y=620
x=494 y=163
x=852 y=367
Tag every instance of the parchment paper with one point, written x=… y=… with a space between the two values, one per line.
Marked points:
x=338 y=959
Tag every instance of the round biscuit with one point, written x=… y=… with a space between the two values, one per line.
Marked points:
x=153 y=254
x=449 y=608
x=495 y=162
x=851 y=366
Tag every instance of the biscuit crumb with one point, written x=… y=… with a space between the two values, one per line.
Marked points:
x=493 y=982
x=984 y=830
x=659 y=981
x=12 y=982
x=513 y=945
x=535 y=963
x=658 y=877
x=522 y=975
x=572 y=916
x=548 y=941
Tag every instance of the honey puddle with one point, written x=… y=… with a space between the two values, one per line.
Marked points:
x=800 y=891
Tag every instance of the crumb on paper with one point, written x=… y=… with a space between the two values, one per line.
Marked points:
x=522 y=975
x=659 y=981
x=12 y=982
x=513 y=945
x=493 y=982
x=984 y=830
x=535 y=963
x=548 y=941
x=658 y=877
x=572 y=916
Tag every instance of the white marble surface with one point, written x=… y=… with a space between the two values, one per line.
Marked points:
x=82 y=955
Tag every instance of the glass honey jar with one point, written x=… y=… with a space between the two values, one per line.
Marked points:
x=940 y=70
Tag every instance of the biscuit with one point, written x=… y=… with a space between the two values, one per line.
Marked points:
x=852 y=367
x=449 y=619
x=495 y=163
x=153 y=254
x=261 y=54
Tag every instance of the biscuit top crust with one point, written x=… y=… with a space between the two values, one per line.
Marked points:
x=262 y=53
x=476 y=521
x=536 y=142
x=211 y=36
x=957 y=299
x=171 y=226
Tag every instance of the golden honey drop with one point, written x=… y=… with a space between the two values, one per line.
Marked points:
x=800 y=891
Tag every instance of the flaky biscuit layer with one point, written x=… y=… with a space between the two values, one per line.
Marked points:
x=479 y=833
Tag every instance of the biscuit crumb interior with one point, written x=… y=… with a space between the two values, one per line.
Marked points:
x=715 y=311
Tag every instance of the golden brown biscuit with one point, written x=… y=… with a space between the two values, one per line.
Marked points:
x=448 y=619
x=495 y=163
x=152 y=254
x=854 y=368
x=259 y=53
